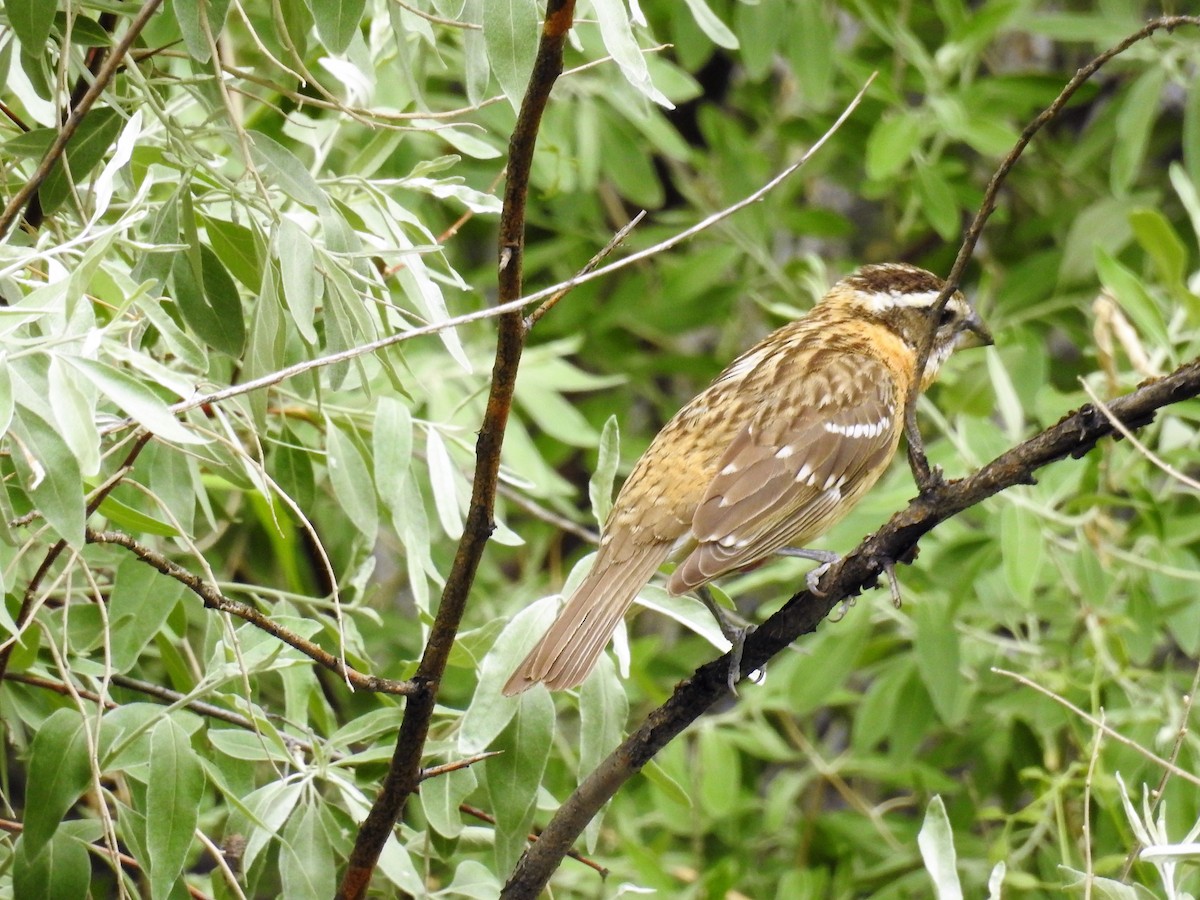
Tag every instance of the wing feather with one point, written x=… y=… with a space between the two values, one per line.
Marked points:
x=784 y=481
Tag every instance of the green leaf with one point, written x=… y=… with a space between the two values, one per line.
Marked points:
x=444 y=481
x=1133 y=126
x=441 y=797
x=173 y=797
x=187 y=14
x=1127 y=289
x=716 y=30
x=84 y=151
x=337 y=21
x=1160 y=241
x=306 y=864
x=600 y=485
x=31 y=20
x=1022 y=548
x=286 y=170
x=50 y=474
x=133 y=520
x=212 y=308
x=936 y=840
x=936 y=647
x=514 y=776
x=510 y=32
x=141 y=600
x=392 y=443
x=237 y=247
x=61 y=871
x=892 y=144
x=301 y=281
x=938 y=203
x=135 y=398
x=58 y=773
x=351 y=480
x=719 y=772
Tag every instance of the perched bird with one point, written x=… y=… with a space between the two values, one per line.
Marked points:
x=768 y=457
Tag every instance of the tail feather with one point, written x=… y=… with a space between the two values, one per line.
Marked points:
x=569 y=649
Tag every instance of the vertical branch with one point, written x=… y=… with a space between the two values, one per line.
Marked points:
x=404 y=773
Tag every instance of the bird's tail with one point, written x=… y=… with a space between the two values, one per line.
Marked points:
x=568 y=651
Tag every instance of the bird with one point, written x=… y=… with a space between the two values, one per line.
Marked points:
x=770 y=456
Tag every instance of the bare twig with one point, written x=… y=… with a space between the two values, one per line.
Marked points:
x=214 y=599
x=112 y=63
x=403 y=774
x=917 y=459
x=477 y=813
x=601 y=254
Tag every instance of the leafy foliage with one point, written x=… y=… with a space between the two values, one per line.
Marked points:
x=268 y=185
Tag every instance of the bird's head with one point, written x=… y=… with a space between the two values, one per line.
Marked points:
x=903 y=299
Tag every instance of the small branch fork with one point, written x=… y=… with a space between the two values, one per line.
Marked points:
x=403 y=776
x=924 y=476
x=1075 y=435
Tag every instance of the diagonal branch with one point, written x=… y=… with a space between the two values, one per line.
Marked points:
x=917 y=460
x=403 y=776
x=104 y=76
x=1075 y=435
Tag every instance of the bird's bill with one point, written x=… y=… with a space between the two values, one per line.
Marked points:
x=975 y=333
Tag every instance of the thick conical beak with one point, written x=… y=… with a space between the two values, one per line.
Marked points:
x=975 y=333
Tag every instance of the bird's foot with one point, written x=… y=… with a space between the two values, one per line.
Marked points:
x=825 y=557
x=889 y=569
x=735 y=632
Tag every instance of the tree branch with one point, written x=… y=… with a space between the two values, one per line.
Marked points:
x=404 y=773
x=103 y=77
x=214 y=599
x=1075 y=435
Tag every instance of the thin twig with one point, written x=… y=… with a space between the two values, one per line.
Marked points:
x=114 y=62
x=214 y=599
x=917 y=459
x=477 y=813
x=615 y=241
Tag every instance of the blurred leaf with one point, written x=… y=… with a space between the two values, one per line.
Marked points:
x=936 y=648
x=352 y=482
x=1137 y=116
x=31 y=20
x=718 y=32
x=59 y=772
x=337 y=21
x=188 y=13
x=173 y=796
x=61 y=871
x=306 y=867
x=51 y=476
x=894 y=141
x=936 y=840
x=510 y=32
x=211 y=307
x=513 y=777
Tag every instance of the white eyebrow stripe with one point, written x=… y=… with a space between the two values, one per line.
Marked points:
x=878 y=301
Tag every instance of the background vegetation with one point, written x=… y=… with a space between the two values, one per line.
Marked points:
x=268 y=183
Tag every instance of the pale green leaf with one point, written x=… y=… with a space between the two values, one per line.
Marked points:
x=337 y=21
x=600 y=485
x=510 y=32
x=173 y=796
x=135 y=398
x=936 y=841
x=58 y=773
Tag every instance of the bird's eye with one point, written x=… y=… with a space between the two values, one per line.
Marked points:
x=947 y=316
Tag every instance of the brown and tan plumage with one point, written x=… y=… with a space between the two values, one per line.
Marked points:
x=769 y=456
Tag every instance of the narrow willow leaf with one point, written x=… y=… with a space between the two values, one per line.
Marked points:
x=31 y=20
x=718 y=32
x=600 y=485
x=617 y=33
x=510 y=33
x=287 y=171
x=58 y=773
x=135 y=398
x=188 y=13
x=514 y=777
x=50 y=474
x=211 y=306
x=337 y=21
x=392 y=443
x=84 y=151
x=351 y=480
x=172 y=804
x=936 y=841
x=301 y=281
x=443 y=479
x=306 y=864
